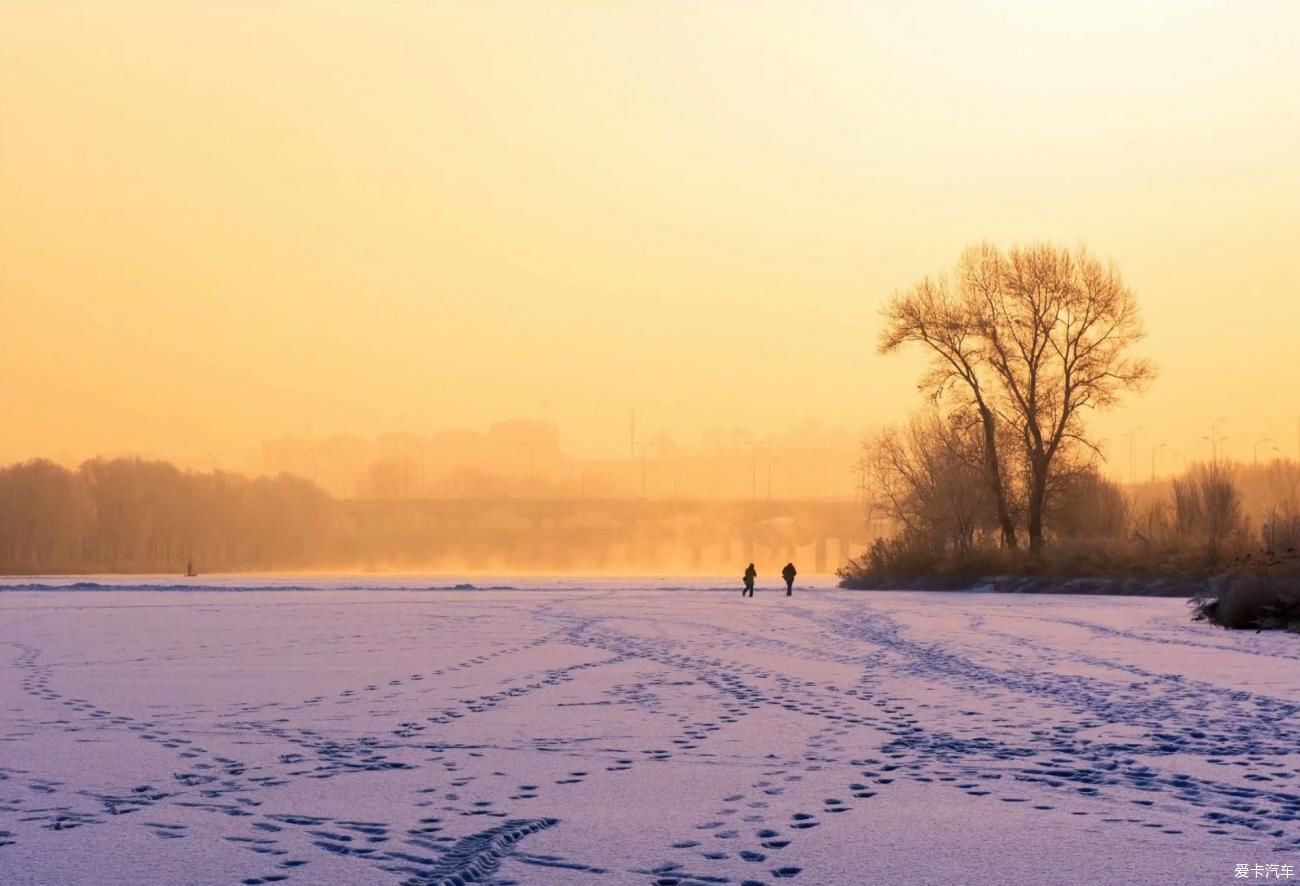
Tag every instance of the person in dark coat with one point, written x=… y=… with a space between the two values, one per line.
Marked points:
x=788 y=573
x=750 y=574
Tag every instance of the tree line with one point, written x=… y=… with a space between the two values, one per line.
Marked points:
x=134 y=516
x=131 y=515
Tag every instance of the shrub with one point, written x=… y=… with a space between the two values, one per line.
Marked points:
x=1261 y=591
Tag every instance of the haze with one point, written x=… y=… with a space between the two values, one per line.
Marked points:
x=230 y=223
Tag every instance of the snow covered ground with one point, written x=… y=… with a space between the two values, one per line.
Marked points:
x=563 y=732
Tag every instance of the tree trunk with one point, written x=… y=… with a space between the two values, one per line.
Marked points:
x=1037 y=502
x=994 y=470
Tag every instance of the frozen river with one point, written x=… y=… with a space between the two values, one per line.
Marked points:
x=643 y=732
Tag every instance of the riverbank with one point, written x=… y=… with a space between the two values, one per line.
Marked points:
x=1242 y=602
x=1117 y=586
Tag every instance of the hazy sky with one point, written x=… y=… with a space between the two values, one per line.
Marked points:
x=228 y=221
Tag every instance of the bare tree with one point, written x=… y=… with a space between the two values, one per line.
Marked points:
x=1280 y=528
x=927 y=478
x=1056 y=328
x=1087 y=505
x=946 y=323
x=1208 y=506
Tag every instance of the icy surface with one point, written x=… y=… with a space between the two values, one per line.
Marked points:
x=650 y=732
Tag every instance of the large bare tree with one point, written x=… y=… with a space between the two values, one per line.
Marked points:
x=1034 y=337
x=1058 y=327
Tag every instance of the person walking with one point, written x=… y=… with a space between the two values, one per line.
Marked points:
x=750 y=574
x=788 y=573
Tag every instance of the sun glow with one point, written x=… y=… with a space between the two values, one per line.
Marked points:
x=226 y=223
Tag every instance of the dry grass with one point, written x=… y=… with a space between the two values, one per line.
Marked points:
x=1255 y=590
x=898 y=560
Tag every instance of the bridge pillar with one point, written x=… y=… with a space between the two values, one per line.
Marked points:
x=819 y=556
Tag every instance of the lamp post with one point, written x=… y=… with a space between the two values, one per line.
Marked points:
x=1259 y=441
x=1153 y=460
x=1216 y=446
x=1214 y=438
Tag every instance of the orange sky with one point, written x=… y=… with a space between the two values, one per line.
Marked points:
x=221 y=222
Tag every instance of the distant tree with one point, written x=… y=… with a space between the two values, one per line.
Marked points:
x=135 y=515
x=927 y=477
x=45 y=516
x=1281 y=521
x=1087 y=505
x=1207 y=506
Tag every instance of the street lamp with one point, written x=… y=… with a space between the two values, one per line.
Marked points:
x=1214 y=438
x=1259 y=441
x=1216 y=444
x=1153 y=460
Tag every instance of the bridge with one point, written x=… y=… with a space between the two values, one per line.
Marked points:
x=602 y=535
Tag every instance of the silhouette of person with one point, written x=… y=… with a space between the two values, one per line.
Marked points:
x=750 y=574
x=788 y=573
